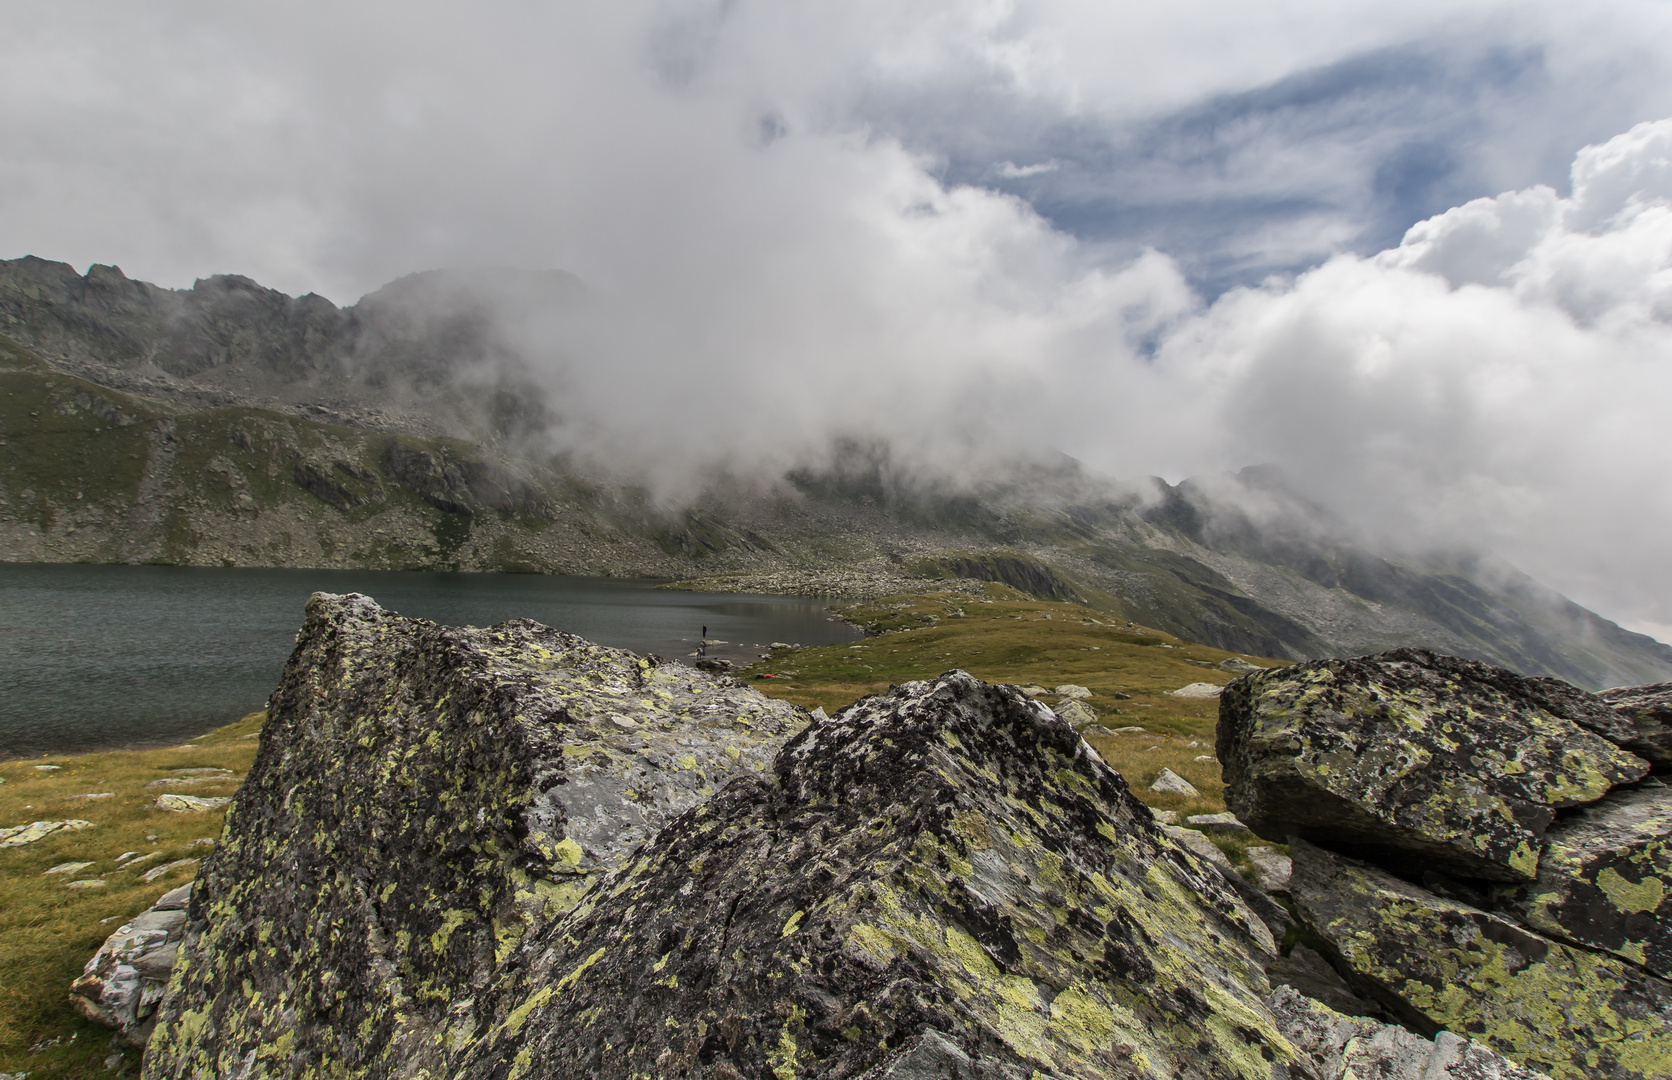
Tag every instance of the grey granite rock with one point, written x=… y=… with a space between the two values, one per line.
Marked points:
x=1415 y=758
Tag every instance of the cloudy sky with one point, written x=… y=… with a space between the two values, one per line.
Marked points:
x=1419 y=255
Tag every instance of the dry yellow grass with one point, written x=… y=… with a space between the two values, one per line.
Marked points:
x=50 y=925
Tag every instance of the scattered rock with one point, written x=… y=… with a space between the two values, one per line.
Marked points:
x=85 y=883
x=715 y=666
x=1199 y=845
x=1204 y=757
x=1069 y=690
x=1165 y=817
x=1605 y=880
x=1131 y=730
x=67 y=868
x=89 y=797
x=123 y=982
x=18 y=835
x=186 y=781
x=1238 y=665
x=1171 y=783
x=167 y=868
x=1440 y=964
x=190 y=804
x=1074 y=713
x=1035 y=691
x=1412 y=756
x=1221 y=824
x=204 y=771
x=1271 y=869
x=1649 y=711
x=1197 y=690
x=1339 y=1047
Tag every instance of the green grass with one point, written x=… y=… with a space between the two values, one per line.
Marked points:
x=48 y=930
x=1007 y=637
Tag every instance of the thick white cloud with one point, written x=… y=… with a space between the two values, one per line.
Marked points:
x=1499 y=380
x=769 y=263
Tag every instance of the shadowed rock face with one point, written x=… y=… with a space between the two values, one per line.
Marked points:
x=423 y=797
x=1441 y=964
x=1649 y=711
x=1416 y=758
x=1605 y=880
x=944 y=880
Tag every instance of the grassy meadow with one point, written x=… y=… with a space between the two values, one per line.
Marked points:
x=51 y=923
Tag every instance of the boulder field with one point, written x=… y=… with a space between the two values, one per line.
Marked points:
x=508 y=852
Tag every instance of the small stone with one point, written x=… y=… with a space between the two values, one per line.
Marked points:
x=158 y=871
x=1171 y=783
x=1204 y=757
x=1069 y=690
x=1197 y=690
x=85 y=883
x=18 y=835
x=67 y=868
x=1238 y=665
x=1131 y=730
x=1198 y=845
x=184 y=804
x=1223 y=824
x=89 y=797
x=1034 y=690
x=1076 y=714
x=1165 y=817
x=1270 y=869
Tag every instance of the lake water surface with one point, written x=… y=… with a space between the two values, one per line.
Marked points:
x=93 y=657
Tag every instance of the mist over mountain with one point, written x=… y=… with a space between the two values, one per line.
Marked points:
x=229 y=424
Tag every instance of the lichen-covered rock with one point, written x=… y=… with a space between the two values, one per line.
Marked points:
x=941 y=881
x=123 y=982
x=1417 y=758
x=423 y=797
x=1605 y=880
x=18 y=835
x=1441 y=964
x=1648 y=709
x=1341 y=1047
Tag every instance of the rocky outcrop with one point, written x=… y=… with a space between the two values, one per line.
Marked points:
x=507 y=852
x=424 y=797
x=1415 y=758
x=1440 y=964
x=123 y=982
x=1605 y=880
x=942 y=880
x=1414 y=790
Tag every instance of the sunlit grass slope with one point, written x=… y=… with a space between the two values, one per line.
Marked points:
x=1007 y=637
x=50 y=924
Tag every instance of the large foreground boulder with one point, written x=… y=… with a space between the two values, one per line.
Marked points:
x=1417 y=760
x=1443 y=965
x=944 y=881
x=423 y=797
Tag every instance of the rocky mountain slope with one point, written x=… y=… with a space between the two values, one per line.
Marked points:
x=231 y=425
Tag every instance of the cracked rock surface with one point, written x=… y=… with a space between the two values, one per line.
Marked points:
x=423 y=797
x=1417 y=758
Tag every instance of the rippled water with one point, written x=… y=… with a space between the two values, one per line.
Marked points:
x=102 y=656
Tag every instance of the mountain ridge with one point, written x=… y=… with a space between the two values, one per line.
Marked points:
x=113 y=448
